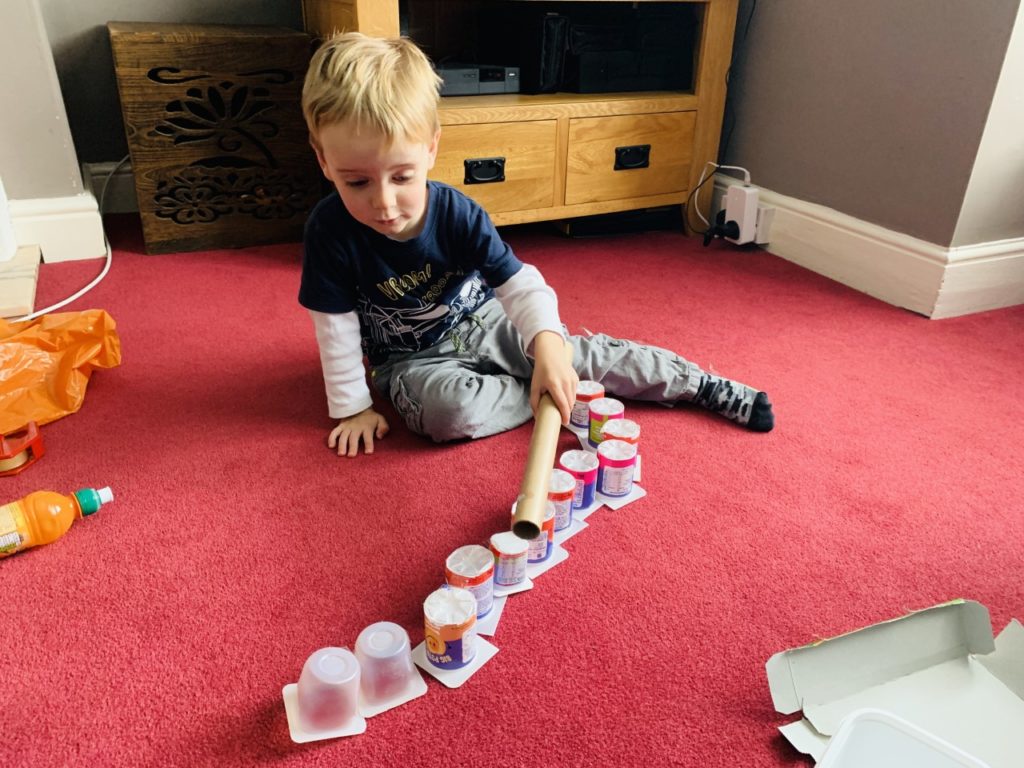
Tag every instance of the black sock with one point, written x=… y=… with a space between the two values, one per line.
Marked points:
x=737 y=402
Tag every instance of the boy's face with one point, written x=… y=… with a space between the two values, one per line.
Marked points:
x=383 y=186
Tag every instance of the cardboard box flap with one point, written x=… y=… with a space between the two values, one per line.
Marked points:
x=801 y=734
x=1005 y=662
x=839 y=667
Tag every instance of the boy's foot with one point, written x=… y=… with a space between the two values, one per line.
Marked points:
x=737 y=402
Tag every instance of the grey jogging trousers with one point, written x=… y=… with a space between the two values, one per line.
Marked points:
x=476 y=381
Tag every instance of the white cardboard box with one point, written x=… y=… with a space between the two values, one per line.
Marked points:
x=938 y=668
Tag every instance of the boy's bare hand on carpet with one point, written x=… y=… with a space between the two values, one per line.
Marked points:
x=553 y=374
x=364 y=426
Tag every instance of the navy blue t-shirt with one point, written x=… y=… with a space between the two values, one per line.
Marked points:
x=407 y=294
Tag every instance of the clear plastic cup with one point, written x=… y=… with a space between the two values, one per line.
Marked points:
x=385 y=659
x=328 y=689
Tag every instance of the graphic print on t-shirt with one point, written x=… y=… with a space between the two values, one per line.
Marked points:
x=408 y=329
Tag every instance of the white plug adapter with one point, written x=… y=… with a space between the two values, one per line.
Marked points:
x=765 y=217
x=741 y=207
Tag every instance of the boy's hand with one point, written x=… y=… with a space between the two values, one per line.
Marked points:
x=365 y=425
x=552 y=373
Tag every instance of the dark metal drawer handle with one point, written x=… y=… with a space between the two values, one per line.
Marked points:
x=484 y=170
x=627 y=158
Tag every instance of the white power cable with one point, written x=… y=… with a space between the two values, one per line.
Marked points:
x=746 y=179
x=106 y=266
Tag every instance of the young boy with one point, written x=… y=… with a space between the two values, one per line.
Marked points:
x=461 y=336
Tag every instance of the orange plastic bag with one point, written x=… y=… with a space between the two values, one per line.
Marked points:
x=45 y=364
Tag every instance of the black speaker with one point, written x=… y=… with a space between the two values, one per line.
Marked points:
x=593 y=47
x=531 y=36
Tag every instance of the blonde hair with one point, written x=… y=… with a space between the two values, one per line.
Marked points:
x=387 y=85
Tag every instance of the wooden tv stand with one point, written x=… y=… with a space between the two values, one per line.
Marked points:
x=559 y=149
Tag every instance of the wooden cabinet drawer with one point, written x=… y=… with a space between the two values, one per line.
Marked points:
x=591 y=175
x=528 y=149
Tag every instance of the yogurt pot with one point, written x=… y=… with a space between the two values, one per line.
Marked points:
x=385 y=661
x=328 y=690
x=449 y=624
x=617 y=460
x=509 y=559
x=539 y=547
x=586 y=393
x=582 y=465
x=621 y=429
x=472 y=567
x=561 y=491
x=601 y=410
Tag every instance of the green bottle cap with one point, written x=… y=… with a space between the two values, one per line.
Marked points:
x=90 y=499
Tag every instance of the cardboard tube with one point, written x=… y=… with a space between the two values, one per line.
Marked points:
x=540 y=460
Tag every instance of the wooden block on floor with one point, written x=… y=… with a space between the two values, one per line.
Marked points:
x=18 y=282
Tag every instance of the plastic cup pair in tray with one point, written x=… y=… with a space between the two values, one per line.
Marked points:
x=337 y=689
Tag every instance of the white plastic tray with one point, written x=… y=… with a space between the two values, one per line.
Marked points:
x=874 y=738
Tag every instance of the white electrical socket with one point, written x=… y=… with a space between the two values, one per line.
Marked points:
x=741 y=207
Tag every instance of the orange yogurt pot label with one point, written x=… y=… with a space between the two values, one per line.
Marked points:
x=472 y=567
x=449 y=627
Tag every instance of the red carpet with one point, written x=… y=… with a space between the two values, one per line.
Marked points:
x=161 y=630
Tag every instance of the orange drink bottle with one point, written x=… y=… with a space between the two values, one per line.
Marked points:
x=45 y=516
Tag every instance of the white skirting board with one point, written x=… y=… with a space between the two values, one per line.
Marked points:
x=934 y=280
x=64 y=228
x=18 y=277
x=981 y=277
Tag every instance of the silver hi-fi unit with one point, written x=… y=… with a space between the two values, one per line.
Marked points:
x=474 y=79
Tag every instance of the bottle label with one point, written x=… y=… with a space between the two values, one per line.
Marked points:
x=12 y=523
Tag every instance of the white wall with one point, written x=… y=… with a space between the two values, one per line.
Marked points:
x=37 y=157
x=873 y=108
x=8 y=245
x=48 y=206
x=993 y=206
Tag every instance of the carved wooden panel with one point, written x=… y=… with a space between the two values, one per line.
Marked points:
x=214 y=123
